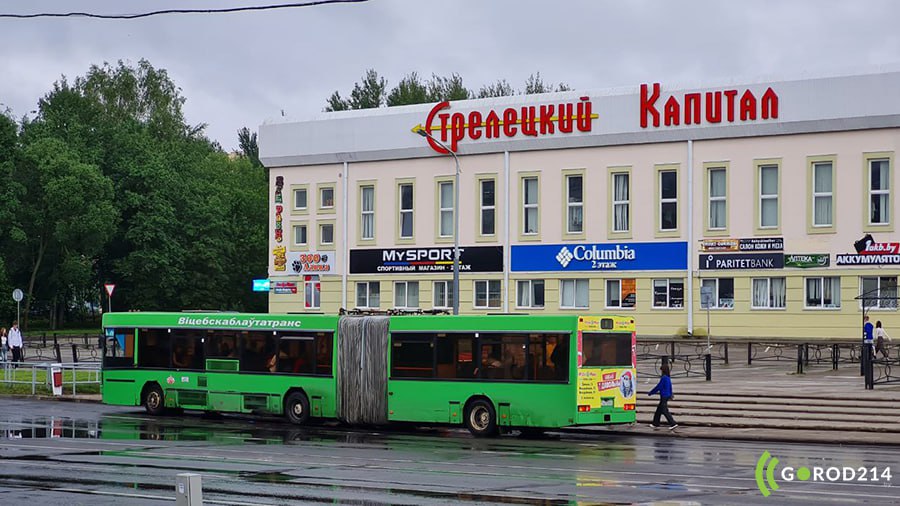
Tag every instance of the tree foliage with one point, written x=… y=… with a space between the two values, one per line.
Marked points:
x=111 y=184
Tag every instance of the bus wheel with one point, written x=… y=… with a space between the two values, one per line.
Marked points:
x=154 y=401
x=481 y=420
x=296 y=408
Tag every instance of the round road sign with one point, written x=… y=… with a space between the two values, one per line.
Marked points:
x=17 y=295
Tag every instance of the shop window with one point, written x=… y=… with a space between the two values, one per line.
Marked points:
x=406 y=294
x=574 y=293
x=368 y=294
x=668 y=293
x=312 y=292
x=574 y=204
x=620 y=293
x=824 y=292
x=443 y=294
x=723 y=292
x=487 y=294
x=768 y=293
x=879 y=292
x=530 y=293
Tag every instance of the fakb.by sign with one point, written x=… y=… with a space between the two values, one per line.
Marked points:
x=632 y=256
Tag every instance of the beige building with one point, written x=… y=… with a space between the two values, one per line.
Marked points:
x=772 y=201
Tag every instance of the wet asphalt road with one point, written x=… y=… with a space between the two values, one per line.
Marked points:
x=83 y=453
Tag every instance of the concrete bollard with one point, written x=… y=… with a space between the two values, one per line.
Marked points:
x=188 y=490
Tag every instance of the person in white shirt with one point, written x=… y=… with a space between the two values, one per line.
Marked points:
x=880 y=334
x=15 y=341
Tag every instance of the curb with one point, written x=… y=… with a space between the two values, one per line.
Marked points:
x=42 y=397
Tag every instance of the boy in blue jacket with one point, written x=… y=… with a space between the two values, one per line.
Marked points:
x=664 y=389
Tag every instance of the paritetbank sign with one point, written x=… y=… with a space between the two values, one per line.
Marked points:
x=623 y=256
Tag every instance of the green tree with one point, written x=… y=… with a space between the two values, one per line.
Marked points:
x=9 y=197
x=534 y=84
x=410 y=90
x=248 y=145
x=370 y=93
x=447 y=88
x=501 y=88
x=337 y=103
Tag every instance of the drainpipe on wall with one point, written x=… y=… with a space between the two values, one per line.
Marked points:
x=507 y=254
x=689 y=282
x=344 y=267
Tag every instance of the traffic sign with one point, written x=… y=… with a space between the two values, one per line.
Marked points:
x=17 y=295
x=109 y=288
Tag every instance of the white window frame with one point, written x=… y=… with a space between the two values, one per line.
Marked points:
x=882 y=304
x=717 y=295
x=528 y=287
x=322 y=233
x=717 y=198
x=618 y=283
x=575 y=284
x=309 y=291
x=668 y=282
x=483 y=207
x=405 y=302
x=442 y=209
x=368 y=296
x=486 y=285
x=671 y=200
x=322 y=191
x=447 y=303
x=821 y=281
x=882 y=191
x=409 y=212
x=763 y=197
x=625 y=204
x=823 y=195
x=306 y=197
x=771 y=302
x=528 y=206
x=574 y=205
x=296 y=235
x=366 y=214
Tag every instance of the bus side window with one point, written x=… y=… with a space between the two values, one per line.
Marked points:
x=324 y=353
x=119 y=348
x=454 y=355
x=258 y=352
x=153 y=348
x=412 y=356
x=296 y=355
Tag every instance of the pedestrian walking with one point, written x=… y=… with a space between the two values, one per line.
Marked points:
x=880 y=334
x=4 y=345
x=868 y=330
x=15 y=341
x=664 y=389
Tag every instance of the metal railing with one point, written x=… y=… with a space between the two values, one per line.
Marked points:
x=40 y=374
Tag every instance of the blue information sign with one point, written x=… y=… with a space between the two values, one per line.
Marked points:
x=622 y=256
x=261 y=285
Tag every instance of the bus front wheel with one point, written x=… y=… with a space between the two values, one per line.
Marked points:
x=296 y=408
x=154 y=400
x=481 y=419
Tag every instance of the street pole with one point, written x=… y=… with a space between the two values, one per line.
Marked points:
x=424 y=133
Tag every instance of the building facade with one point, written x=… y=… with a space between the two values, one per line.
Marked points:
x=768 y=207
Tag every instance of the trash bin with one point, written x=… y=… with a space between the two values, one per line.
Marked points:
x=56 y=380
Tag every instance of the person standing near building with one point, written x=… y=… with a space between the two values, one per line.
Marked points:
x=664 y=389
x=880 y=334
x=3 y=344
x=15 y=341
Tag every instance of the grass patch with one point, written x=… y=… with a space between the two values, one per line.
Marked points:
x=39 y=376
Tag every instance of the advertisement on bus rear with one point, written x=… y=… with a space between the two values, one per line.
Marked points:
x=606 y=388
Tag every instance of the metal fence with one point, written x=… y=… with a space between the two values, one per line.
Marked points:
x=39 y=375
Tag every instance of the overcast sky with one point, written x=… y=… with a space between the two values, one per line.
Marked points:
x=240 y=69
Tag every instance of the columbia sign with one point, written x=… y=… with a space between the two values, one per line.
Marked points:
x=601 y=258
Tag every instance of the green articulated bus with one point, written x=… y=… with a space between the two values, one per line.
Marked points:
x=487 y=372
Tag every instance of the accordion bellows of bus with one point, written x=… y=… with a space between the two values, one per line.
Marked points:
x=491 y=373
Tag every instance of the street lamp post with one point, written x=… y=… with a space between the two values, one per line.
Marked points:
x=427 y=135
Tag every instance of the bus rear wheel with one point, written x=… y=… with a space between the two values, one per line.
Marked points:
x=154 y=400
x=481 y=419
x=296 y=408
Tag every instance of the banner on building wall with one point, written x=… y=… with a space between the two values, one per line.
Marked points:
x=633 y=256
x=870 y=252
x=747 y=244
x=284 y=287
x=742 y=261
x=311 y=262
x=808 y=261
x=419 y=260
